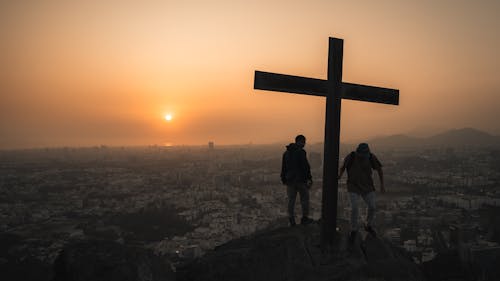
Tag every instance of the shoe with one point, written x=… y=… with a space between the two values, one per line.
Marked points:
x=370 y=230
x=292 y=221
x=306 y=220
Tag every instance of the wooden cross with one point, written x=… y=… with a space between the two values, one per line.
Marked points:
x=334 y=90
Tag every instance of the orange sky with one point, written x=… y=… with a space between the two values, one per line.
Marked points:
x=106 y=72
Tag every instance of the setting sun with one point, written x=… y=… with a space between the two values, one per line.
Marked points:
x=135 y=74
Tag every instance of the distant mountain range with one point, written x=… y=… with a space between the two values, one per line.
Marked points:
x=452 y=138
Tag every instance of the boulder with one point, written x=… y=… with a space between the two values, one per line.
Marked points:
x=107 y=260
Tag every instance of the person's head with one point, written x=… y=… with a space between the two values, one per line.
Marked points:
x=363 y=149
x=300 y=140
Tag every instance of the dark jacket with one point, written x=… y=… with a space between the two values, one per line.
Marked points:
x=295 y=167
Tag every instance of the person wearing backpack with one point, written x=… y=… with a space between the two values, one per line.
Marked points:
x=359 y=165
x=296 y=175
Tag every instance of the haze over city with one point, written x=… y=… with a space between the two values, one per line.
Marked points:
x=85 y=73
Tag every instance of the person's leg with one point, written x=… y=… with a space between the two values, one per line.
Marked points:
x=292 y=195
x=304 y=200
x=369 y=199
x=370 y=217
x=354 y=211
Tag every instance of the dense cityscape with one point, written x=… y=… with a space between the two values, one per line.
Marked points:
x=183 y=201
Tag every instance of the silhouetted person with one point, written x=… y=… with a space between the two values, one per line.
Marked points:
x=359 y=165
x=296 y=175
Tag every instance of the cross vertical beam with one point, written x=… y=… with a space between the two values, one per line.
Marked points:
x=331 y=144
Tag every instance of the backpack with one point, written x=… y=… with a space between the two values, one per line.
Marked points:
x=353 y=156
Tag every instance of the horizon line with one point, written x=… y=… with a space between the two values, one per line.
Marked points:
x=171 y=145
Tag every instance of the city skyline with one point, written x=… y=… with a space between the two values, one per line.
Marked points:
x=183 y=203
x=92 y=73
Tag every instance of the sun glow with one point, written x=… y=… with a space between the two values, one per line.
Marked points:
x=168 y=117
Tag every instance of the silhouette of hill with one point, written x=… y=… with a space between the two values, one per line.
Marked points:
x=464 y=137
x=284 y=253
x=452 y=138
x=395 y=141
x=293 y=253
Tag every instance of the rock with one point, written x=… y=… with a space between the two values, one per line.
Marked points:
x=446 y=266
x=106 y=260
x=293 y=253
x=389 y=262
x=18 y=262
x=450 y=265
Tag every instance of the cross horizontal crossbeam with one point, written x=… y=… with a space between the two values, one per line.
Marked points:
x=318 y=87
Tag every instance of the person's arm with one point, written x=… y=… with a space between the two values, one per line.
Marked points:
x=377 y=166
x=341 y=172
x=283 y=169
x=342 y=169
x=381 y=177
x=306 y=168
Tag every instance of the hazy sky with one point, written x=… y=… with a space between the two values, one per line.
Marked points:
x=107 y=72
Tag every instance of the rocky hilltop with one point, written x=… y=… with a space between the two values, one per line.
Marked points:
x=285 y=253
x=294 y=254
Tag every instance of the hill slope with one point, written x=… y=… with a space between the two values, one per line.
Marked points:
x=452 y=138
x=294 y=254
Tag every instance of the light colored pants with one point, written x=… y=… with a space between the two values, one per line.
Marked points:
x=369 y=199
x=292 y=190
